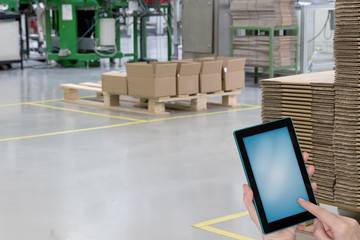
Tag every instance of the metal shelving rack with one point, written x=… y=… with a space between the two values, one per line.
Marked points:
x=271 y=31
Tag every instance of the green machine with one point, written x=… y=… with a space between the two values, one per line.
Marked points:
x=81 y=32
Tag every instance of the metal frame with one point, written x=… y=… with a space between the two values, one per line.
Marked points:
x=143 y=47
x=271 y=31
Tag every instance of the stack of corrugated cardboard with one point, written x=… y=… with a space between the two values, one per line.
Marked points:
x=309 y=100
x=263 y=13
x=347 y=105
x=322 y=117
x=256 y=50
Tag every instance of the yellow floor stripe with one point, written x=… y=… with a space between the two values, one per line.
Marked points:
x=42 y=101
x=204 y=114
x=249 y=105
x=226 y=233
x=69 y=131
x=85 y=112
x=222 y=219
x=206 y=226
x=111 y=126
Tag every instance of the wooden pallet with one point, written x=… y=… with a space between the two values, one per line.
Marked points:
x=151 y=106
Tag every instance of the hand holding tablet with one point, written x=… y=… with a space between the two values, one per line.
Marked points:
x=276 y=172
x=284 y=234
x=327 y=225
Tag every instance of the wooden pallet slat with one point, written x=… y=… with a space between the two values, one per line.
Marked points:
x=152 y=106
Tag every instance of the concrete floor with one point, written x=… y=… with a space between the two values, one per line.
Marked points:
x=140 y=181
x=69 y=175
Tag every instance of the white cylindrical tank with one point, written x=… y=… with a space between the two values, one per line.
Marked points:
x=107 y=32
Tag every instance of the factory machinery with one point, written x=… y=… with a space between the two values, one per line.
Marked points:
x=81 y=32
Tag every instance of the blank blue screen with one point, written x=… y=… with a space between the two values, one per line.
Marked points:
x=277 y=174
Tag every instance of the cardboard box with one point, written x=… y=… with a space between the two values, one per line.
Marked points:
x=210 y=75
x=187 y=81
x=233 y=74
x=151 y=80
x=114 y=83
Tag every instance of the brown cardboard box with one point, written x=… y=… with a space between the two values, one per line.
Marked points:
x=114 y=83
x=187 y=81
x=210 y=75
x=151 y=80
x=233 y=74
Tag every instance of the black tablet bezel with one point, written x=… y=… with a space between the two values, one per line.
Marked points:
x=291 y=220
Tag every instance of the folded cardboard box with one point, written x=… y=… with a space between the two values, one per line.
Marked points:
x=210 y=75
x=187 y=80
x=114 y=83
x=151 y=80
x=233 y=73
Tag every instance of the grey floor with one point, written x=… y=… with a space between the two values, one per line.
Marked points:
x=111 y=181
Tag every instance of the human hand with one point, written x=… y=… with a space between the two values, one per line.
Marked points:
x=285 y=234
x=330 y=226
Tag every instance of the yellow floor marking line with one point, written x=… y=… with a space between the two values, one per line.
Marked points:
x=204 y=114
x=116 y=125
x=206 y=226
x=222 y=219
x=69 y=131
x=42 y=101
x=249 y=105
x=85 y=112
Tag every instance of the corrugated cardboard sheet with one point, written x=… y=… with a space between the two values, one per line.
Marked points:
x=263 y=13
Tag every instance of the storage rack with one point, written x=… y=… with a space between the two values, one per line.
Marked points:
x=271 y=31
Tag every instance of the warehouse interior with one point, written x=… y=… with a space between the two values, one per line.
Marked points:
x=97 y=144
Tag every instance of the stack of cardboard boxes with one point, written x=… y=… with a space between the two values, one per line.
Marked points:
x=347 y=107
x=186 y=77
x=309 y=100
x=263 y=13
x=256 y=50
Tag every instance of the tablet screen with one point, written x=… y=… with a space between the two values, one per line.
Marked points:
x=276 y=172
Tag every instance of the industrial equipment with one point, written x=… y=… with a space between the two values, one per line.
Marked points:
x=80 y=32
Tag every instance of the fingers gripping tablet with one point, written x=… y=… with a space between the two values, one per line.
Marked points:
x=276 y=172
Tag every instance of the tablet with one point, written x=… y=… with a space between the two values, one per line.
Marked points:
x=276 y=172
